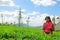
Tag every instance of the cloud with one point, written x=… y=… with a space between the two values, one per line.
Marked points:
x=43 y=2
x=38 y=20
x=7 y=3
x=23 y=10
x=35 y=20
x=33 y=13
x=11 y=16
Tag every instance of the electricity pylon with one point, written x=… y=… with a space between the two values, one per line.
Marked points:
x=19 y=16
x=2 y=18
x=53 y=19
x=28 y=21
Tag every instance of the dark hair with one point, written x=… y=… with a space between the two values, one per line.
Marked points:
x=48 y=18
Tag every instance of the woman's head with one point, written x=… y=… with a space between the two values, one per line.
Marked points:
x=48 y=19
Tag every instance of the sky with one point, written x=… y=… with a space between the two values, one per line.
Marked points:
x=37 y=10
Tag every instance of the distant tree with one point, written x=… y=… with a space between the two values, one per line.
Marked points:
x=58 y=18
x=0 y=23
x=11 y=23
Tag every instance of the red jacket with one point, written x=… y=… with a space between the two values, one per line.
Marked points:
x=48 y=27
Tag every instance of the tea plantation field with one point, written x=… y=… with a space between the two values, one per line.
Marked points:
x=22 y=33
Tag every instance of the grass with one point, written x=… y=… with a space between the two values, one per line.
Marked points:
x=22 y=33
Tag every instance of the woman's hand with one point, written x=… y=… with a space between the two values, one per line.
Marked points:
x=50 y=28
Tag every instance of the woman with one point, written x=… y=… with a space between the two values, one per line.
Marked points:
x=48 y=26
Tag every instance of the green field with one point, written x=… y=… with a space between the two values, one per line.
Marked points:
x=22 y=33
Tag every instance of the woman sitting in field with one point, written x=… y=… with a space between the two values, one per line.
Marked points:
x=48 y=26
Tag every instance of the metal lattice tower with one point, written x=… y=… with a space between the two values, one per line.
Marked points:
x=20 y=16
x=53 y=20
x=28 y=21
x=2 y=18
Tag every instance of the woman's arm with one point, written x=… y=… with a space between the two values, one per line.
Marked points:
x=43 y=26
x=51 y=27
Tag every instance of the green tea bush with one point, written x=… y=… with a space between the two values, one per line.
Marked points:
x=22 y=33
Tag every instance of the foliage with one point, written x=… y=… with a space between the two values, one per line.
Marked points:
x=22 y=33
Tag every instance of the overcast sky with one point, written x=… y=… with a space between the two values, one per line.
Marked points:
x=35 y=9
